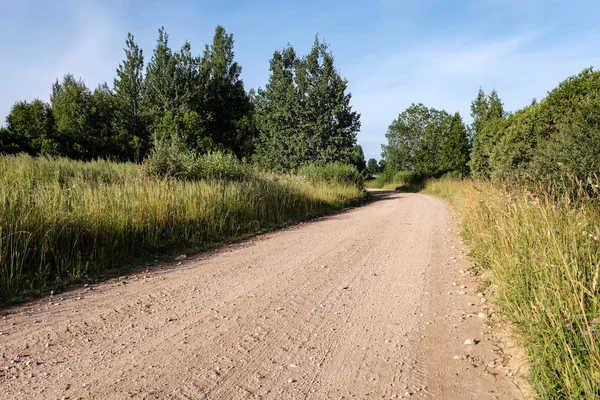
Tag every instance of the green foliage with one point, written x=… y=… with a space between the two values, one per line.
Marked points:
x=229 y=122
x=65 y=221
x=334 y=172
x=454 y=149
x=543 y=253
x=30 y=129
x=372 y=167
x=357 y=158
x=542 y=141
x=304 y=113
x=171 y=158
x=427 y=141
x=132 y=137
x=161 y=94
x=389 y=178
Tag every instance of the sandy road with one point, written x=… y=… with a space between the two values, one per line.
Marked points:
x=356 y=305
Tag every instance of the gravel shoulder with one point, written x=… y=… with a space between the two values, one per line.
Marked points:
x=369 y=303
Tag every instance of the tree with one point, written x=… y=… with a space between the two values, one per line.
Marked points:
x=131 y=139
x=228 y=108
x=160 y=84
x=71 y=107
x=304 y=112
x=30 y=128
x=8 y=143
x=278 y=108
x=357 y=158
x=415 y=139
x=102 y=123
x=454 y=150
x=372 y=166
x=485 y=110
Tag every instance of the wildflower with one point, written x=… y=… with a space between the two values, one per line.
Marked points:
x=568 y=326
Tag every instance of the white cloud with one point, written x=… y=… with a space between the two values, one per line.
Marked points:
x=447 y=74
x=92 y=52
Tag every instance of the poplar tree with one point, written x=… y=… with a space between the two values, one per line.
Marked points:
x=132 y=134
x=227 y=106
x=304 y=112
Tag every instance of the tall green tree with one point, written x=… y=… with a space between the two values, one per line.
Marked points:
x=278 y=115
x=160 y=82
x=454 y=150
x=228 y=108
x=71 y=106
x=102 y=123
x=357 y=158
x=132 y=137
x=487 y=113
x=304 y=112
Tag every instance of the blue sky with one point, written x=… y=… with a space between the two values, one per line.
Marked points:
x=393 y=53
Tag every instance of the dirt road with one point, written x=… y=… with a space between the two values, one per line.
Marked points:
x=357 y=305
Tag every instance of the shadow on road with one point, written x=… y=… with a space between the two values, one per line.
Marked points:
x=382 y=194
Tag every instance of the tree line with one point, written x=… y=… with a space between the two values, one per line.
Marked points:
x=541 y=142
x=302 y=116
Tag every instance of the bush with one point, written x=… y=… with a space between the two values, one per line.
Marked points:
x=335 y=172
x=170 y=159
x=397 y=180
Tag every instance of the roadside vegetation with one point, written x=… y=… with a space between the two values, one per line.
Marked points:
x=526 y=187
x=195 y=160
x=65 y=221
x=543 y=251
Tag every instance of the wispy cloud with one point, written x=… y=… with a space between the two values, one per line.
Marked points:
x=89 y=48
x=447 y=74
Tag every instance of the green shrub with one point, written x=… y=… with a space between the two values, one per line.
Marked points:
x=335 y=172
x=171 y=159
x=397 y=180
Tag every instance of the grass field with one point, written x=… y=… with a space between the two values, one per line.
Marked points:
x=544 y=256
x=64 y=221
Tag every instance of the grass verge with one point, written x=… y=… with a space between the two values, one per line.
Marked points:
x=544 y=256
x=64 y=221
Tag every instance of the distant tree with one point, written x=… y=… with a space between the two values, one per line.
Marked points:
x=382 y=165
x=372 y=166
x=357 y=158
x=454 y=150
x=415 y=139
x=30 y=129
x=132 y=138
x=304 y=112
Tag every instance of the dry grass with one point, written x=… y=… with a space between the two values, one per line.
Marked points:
x=544 y=255
x=63 y=221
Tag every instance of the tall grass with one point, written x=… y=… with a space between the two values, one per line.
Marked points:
x=335 y=172
x=63 y=221
x=544 y=254
x=397 y=180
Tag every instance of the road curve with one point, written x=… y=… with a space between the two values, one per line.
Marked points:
x=355 y=305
